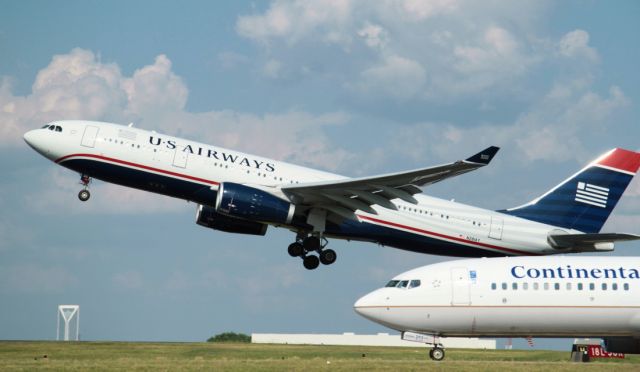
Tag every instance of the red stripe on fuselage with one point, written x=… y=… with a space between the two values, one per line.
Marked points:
x=622 y=159
x=435 y=234
x=130 y=164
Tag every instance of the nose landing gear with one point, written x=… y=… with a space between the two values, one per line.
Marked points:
x=84 y=194
x=306 y=244
x=437 y=353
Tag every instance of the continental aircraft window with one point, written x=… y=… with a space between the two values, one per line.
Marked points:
x=392 y=283
x=514 y=285
x=403 y=284
x=536 y=286
x=504 y=285
x=614 y=286
x=626 y=286
x=569 y=286
x=493 y=286
x=556 y=286
x=592 y=286
x=525 y=286
x=546 y=286
x=414 y=283
x=604 y=286
x=579 y=286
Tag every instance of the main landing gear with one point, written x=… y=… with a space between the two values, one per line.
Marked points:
x=84 y=194
x=304 y=245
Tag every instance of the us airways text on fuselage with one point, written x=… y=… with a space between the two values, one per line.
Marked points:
x=215 y=154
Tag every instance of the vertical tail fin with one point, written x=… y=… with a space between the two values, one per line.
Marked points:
x=584 y=201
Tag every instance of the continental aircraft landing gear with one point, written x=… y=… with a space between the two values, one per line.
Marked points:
x=437 y=353
x=84 y=194
x=306 y=244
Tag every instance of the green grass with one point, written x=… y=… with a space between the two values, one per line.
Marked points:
x=17 y=355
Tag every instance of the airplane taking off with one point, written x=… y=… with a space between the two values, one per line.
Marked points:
x=242 y=193
x=564 y=296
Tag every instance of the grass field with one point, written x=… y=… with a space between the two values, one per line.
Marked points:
x=26 y=355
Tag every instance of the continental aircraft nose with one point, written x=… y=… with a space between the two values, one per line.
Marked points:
x=364 y=306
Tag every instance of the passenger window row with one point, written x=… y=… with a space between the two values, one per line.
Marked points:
x=557 y=286
x=430 y=213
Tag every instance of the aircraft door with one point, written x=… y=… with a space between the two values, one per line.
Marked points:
x=460 y=283
x=495 y=231
x=180 y=158
x=89 y=136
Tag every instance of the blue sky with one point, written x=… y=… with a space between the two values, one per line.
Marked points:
x=352 y=87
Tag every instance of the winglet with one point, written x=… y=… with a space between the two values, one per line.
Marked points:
x=484 y=156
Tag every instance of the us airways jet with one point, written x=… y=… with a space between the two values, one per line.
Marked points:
x=565 y=296
x=243 y=193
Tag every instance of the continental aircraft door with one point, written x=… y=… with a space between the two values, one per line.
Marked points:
x=180 y=158
x=460 y=291
x=89 y=136
x=495 y=231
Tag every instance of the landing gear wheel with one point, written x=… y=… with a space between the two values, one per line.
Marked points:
x=295 y=249
x=311 y=262
x=84 y=195
x=436 y=354
x=311 y=243
x=328 y=256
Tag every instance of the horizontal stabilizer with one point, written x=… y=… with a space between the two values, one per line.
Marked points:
x=588 y=242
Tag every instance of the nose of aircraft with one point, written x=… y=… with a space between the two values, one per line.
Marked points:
x=364 y=305
x=29 y=138
x=37 y=140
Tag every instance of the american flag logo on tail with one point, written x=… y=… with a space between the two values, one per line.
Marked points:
x=591 y=194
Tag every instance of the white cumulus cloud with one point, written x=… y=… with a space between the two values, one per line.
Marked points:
x=575 y=44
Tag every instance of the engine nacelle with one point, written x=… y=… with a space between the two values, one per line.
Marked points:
x=241 y=201
x=627 y=345
x=208 y=217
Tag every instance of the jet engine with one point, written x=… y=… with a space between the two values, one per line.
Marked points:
x=249 y=203
x=207 y=216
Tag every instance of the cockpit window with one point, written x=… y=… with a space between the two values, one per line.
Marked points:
x=392 y=283
x=45 y=126
x=58 y=128
x=403 y=283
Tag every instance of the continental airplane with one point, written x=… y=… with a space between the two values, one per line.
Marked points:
x=243 y=193
x=562 y=296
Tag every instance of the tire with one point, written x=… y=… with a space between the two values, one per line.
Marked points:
x=311 y=262
x=84 y=195
x=295 y=249
x=328 y=256
x=436 y=354
x=311 y=243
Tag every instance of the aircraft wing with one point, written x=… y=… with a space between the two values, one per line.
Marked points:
x=589 y=242
x=345 y=196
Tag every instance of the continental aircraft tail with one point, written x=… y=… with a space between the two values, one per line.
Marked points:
x=585 y=200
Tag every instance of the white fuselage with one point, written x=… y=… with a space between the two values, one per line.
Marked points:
x=191 y=170
x=560 y=296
